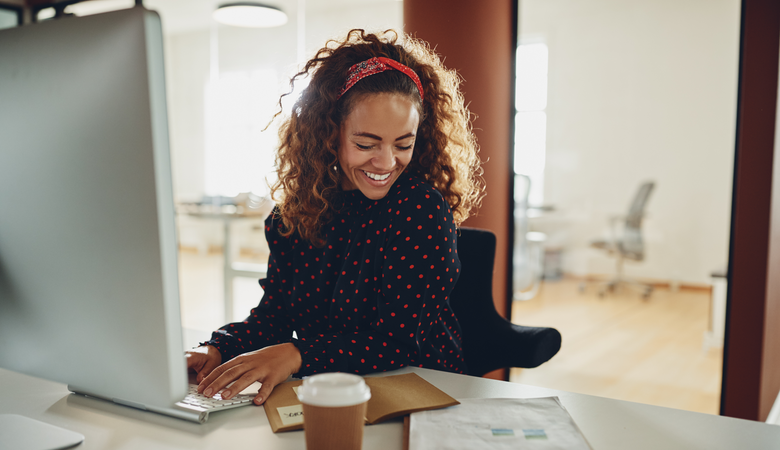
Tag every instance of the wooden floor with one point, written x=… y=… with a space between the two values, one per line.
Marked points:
x=625 y=348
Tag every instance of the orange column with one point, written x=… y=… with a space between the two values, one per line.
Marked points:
x=751 y=367
x=478 y=39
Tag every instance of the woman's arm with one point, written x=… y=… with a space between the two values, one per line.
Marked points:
x=266 y=324
x=258 y=348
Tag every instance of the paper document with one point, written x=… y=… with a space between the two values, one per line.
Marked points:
x=497 y=423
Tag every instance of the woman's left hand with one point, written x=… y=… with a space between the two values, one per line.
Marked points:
x=270 y=366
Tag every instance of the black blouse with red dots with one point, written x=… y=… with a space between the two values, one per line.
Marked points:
x=373 y=298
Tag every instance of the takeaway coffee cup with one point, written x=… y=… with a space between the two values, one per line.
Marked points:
x=334 y=411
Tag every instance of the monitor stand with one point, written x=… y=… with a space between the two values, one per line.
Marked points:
x=23 y=433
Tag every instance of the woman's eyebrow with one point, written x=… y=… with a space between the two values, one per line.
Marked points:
x=373 y=136
x=368 y=135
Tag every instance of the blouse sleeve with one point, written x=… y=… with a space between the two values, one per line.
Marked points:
x=266 y=324
x=419 y=270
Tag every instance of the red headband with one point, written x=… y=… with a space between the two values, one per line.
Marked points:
x=376 y=65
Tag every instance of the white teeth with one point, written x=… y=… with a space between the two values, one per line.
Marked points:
x=375 y=176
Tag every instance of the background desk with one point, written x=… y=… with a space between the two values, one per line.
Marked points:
x=607 y=424
x=230 y=267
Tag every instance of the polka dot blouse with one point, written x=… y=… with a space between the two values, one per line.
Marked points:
x=373 y=298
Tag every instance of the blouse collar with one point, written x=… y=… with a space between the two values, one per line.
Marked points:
x=356 y=201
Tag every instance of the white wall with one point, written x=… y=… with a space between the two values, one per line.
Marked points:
x=639 y=90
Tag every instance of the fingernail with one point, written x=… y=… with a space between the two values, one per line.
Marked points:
x=225 y=394
x=208 y=392
x=259 y=400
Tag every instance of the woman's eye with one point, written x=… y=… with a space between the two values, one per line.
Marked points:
x=408 y=147
x=364 y=147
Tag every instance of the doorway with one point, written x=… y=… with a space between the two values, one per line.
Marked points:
x=636 y=91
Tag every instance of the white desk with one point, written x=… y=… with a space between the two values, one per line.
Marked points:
x=607 y=424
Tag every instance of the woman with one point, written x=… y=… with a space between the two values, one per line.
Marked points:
x=377 y=167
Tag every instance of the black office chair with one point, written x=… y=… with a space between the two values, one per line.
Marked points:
x=491 y=342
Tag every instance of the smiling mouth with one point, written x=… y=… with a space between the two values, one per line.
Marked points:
x=376 y=176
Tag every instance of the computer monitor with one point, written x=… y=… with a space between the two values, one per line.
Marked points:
x=88 y=253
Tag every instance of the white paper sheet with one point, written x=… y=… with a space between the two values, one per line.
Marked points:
x=495 y=423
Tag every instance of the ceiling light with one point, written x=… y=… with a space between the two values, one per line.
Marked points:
x=92 y=7
x=249 y=14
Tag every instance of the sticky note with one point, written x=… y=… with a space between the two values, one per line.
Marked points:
x=291 y=415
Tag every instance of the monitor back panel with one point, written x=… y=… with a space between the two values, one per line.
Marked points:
x=88 y=272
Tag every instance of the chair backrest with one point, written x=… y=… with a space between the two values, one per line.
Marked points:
x=522 y=273
x=632 y=245
x=637 y=209
x=522 y=191
x=489 y=341
x=472 y=297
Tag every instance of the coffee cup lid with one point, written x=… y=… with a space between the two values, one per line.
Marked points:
x=334 y=389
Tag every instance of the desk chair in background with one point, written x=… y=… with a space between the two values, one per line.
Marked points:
x=528 y=255
x=491 y=342
x=625 y=242
x=229 y=211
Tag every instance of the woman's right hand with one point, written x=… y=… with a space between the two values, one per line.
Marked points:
x=203 y=360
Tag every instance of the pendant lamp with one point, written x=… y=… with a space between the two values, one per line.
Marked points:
x=249 y=14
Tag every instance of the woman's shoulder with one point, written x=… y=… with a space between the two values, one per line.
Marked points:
x=275 y=231
x=415 y=198
x=274 y=219
x=418 y=212
x=412 y=187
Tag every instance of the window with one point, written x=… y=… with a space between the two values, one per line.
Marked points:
x=531 y=118
x=9 y=18
x=239 y=153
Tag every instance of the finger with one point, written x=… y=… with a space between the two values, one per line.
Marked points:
x=206 y=369
x=228 y=376
x=197 y=357
x=265 y=390
x=215 y=373
x=242 y=383
x=194 y=360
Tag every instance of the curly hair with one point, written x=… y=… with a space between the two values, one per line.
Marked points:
x=445 y=152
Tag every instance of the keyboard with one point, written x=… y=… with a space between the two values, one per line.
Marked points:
x=201 y=403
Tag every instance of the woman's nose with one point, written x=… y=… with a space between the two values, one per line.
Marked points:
x=385 y=159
